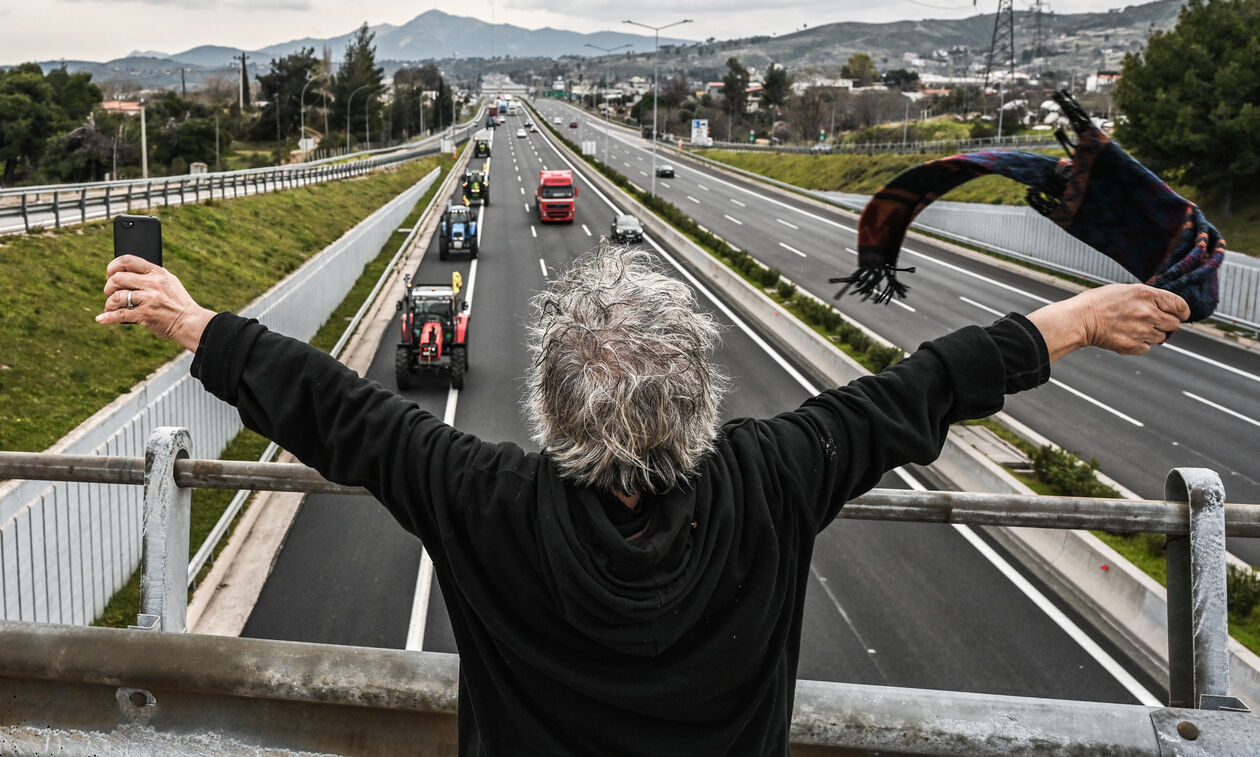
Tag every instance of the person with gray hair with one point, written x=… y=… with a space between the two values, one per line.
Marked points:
x=637 y=586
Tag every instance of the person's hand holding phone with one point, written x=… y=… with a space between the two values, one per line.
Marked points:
x=137 y=291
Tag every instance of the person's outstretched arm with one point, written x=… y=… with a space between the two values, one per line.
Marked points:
x=844 y=440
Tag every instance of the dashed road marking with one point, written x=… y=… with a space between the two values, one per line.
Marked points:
x=790 y=248
x=789 y=225
x=733 y=219
x=588 y=231
x=533 y=231
x=689 y=197
x=737 y=202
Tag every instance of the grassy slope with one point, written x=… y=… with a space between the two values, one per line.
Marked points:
x=865 y=174
x=58 y=366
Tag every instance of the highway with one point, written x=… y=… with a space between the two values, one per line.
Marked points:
x=1193 y=402
x=899 y=604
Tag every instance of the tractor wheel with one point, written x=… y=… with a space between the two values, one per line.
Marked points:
x=402 y=367
x=444 y=248
x=459 y=366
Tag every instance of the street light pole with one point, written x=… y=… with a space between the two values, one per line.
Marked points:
x=608 y=51
x=1001 y=107
x=349 y=100
x=656 y=90
x=302 y=111
x=905 y=123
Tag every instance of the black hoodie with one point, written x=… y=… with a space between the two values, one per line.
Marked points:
x=573 y=639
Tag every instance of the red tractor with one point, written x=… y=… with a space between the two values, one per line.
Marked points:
x=434 y=333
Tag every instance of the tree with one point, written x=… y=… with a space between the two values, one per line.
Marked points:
x=75 y=94
x=359 y=70
x=1191 y=99
x=901 y=78
x=735 y=87
x=281 y=88
x=776 y=86
x=28 y=116
x=861 y=69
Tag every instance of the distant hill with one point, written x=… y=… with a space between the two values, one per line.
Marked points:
x=1078 y=43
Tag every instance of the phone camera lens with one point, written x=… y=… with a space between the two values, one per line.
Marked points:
x=128 y=224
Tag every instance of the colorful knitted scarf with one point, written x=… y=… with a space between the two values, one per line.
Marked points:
x=1099 y=194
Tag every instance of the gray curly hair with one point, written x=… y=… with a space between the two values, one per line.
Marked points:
x=621 y=393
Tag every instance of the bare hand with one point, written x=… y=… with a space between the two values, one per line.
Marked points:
x=1124 y=318
x=137 y=291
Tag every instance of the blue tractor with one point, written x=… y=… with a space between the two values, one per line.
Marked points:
x=458 y=231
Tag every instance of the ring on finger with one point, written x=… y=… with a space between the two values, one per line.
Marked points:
x=130 y=305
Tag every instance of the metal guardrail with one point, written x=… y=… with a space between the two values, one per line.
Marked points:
x=893 y=146
x=39 y=663
x=23 y=209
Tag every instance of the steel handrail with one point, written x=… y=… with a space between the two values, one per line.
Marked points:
x=974 y=508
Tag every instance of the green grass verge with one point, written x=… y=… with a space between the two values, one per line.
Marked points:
x=58 y=366
x=208 y=505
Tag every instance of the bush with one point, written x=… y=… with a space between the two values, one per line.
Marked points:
x=1243 y=589
x=769 y=277
x=786 y=289
x=1069 y=474
x=877 y=357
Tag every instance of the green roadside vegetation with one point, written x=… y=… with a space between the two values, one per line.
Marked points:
x=58 y=366
x=865 y=174
x=1059 y=472
x=208 y=505
x=1056 y=472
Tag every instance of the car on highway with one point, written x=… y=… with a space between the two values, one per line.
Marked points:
x=557 y=120
x=820 y=148
x=573 y=124
x=533 y=128
x=626 y=228
x=520 y=133
x=529 y=122
x=665 y=171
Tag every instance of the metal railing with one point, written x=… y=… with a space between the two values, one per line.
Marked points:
x=65 y=549
x=1031 y=141
x=23 y=209
x=39 y=664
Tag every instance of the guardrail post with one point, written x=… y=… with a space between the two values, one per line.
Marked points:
x=56 y=210
x=167 y=514
x=83 y=205
x=166 y=192
x=26 y=218
x=108 y=189
x=1198 y=615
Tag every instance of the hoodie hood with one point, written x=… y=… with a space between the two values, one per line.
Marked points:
x=638 y=596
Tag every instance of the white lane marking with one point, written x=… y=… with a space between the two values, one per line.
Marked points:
x=420 y=602
x=543 y=265
x=703 y=187
x=627 y=165
x=588 y=231
x=789 y=225
x=1222 y=408
x=1108 y=663
x=518 y=177
x=1057 y=382
x=732 y=219
x=737 y=202
x=986 y=279
x=663 y=184
x=1211 y=362
x=424 y=576
x=790 y=248
x=533 y=231
x=835 y=602
x=689 y=197
x=1097 y=403
x=522 y=189
x=985 y=308
x=527 y=207
x=850 y=249
x=643 y=173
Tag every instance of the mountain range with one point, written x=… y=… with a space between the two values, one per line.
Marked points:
x=1072 y=44
x=434 y=35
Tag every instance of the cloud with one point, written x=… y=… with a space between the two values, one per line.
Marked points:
x=226 y=5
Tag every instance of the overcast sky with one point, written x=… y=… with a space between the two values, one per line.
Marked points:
x=105 y=29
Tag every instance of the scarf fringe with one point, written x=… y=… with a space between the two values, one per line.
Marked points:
x=867 y=281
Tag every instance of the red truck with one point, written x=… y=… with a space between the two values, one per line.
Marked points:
x=556 y=197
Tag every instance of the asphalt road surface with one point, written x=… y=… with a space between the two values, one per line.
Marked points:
x=898 y=604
